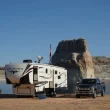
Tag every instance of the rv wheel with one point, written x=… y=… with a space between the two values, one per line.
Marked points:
x=54 y=94
x=51 y=94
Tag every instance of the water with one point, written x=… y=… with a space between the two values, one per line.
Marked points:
x=107 y=82
x=7 y=88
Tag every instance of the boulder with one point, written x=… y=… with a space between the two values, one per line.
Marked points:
x=74 y=56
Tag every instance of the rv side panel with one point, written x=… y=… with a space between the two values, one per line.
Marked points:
x=45 y=74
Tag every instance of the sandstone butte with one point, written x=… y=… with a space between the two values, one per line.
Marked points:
x=75 y=57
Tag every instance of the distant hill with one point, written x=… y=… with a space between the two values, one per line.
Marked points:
x=101 y=60
x=102 y=66
x=2 y=74
x=2 y=68
x=2 y=71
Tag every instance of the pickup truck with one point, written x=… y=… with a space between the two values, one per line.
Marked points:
x=90 y=87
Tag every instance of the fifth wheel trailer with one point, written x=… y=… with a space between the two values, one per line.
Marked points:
x=31 y=78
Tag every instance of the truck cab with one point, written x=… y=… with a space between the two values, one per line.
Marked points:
x=90 y=87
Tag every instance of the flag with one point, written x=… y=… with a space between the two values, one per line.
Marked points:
x=50 y=52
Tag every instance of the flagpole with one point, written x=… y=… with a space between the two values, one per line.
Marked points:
x=50 y=56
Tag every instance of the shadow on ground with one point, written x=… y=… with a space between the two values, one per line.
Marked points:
x=7 y=96
x=58 y=96
x=13 y=96
x=74 y=96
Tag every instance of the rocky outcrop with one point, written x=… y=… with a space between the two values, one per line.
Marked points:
x=102 y=67
x=74 y=56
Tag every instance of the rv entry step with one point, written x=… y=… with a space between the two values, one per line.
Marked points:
x=41 y=96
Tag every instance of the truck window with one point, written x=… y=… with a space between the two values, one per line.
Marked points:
x=88 y=81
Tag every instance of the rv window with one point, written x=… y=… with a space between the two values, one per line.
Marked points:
x=35 y=71
x=55 y=85
x=55 y=72
x=59 y=77
x=46 y=70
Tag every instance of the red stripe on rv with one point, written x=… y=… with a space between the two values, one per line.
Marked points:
x=29 y=69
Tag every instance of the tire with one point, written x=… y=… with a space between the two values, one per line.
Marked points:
x=102 y=93
x=94 y=95
x=54 y=94
x=77 y=96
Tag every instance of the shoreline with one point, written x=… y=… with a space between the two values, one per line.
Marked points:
x=2 y=78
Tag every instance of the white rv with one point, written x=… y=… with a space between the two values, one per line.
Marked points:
x=30 y=78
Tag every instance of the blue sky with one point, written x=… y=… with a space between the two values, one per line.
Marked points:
x=27 y=27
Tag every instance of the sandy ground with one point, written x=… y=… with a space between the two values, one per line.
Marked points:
x=59 y=103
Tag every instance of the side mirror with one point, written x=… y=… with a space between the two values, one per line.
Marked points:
x=77 y=83
x=103 y=83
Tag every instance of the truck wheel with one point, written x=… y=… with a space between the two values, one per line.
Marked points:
x=94 y=95
x=102 y=93
x=77 y=96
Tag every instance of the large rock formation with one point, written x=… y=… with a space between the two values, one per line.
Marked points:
x=74 y=56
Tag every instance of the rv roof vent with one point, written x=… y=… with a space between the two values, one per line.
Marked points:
x=27 y=61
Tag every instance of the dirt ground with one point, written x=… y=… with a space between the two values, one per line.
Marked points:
x=59 y=103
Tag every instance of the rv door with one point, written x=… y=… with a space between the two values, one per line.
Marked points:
x=35 y=73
